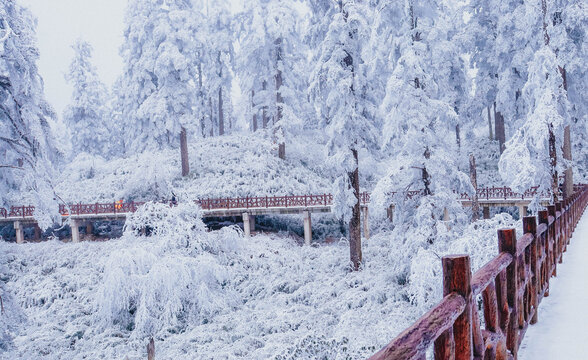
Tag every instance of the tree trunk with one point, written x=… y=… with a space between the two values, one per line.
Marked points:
x=567 y=155
x=499 y=129
x=457 y=136
x=279 y=99
x=254 y=120
x=354 y=223
x=211 y=117
x=553 y=163
x=184 y=152
x=151 y=350
x=221 y=120
x=490 y=134
x=474 y=180
x=264 y=111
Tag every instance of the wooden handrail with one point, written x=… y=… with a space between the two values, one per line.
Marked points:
x=512 y=285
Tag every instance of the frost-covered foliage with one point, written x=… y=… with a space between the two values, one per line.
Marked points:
x=336 y=89
x=159 y=72
x=418 y=120
x=243 y=166
x=217 y=294
x=27 y=147
x=527 y=160
x=87 y=114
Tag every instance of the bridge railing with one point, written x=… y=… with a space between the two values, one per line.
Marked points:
x=511 y=287
x=488 y=193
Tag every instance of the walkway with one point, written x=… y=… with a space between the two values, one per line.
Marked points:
x=562 y=330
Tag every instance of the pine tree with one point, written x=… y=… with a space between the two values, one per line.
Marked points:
x=269 y=66
x=418 y=121
x=86 y=115
x=335 y=87
x=160 y=64
x=26 y=141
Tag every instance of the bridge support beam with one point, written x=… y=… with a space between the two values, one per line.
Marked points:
x=486 y=211
x=75 y=230
x=89 y=228
x=252 y=222
x=246 y=225
x=307 y=228
x=522 y=211
x=19 y=232
x=366 y=223
x=38 y=232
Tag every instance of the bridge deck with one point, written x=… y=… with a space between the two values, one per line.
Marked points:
x=561 y=330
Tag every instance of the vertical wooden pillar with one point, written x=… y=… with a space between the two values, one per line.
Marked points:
x=546 y=264
x=522 y=211
x=307 y=227
x=19 y=232
x=38 y=232
x=89 y=228
x=252 y=222
x=530 y=227
x=486 y=211
x=366 y=223
x=553 y=241
x=457 y=278
x=75 y=230
x=246 y=225
x=507 y=242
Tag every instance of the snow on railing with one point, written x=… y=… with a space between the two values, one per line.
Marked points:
x=511 y=286
x=488 y=193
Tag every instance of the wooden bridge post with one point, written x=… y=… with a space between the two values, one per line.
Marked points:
x=457 y=278
x=252 y=222
x=530 y=226
x=307 y=227
x=246 y=225
x=19 y=232
x=486 y=212
x=507 y=242
x=75 y=230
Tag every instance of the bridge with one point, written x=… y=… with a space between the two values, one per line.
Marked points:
x=511 y=287
x=249 y=207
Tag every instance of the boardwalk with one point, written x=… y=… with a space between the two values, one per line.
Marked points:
x=561 y=332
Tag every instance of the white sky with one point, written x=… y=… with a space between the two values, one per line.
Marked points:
x=60 y=23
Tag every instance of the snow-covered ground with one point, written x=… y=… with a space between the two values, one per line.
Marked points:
x=563 y=316
x=227 y=166
x=217 y=295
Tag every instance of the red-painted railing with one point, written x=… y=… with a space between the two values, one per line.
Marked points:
x=511 y=287
x=488 y=193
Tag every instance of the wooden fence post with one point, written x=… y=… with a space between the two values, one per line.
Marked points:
x=552 y=237
x=507 y=242
x=544 y=219
x=530 y=227
x=457 y=278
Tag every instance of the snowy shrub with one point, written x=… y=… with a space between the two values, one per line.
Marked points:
x=171 y=278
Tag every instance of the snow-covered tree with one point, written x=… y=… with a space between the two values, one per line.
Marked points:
x=269 y=66
x=218 y=65
x=534 y=154
x=87 y=114
x=419 y=120
x=26 y=141
x=335 y=87
x=159 y=72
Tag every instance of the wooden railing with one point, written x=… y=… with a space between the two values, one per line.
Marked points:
x=488 y=193
x=511 y=287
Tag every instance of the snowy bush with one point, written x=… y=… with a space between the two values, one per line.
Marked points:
x=173 y=277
